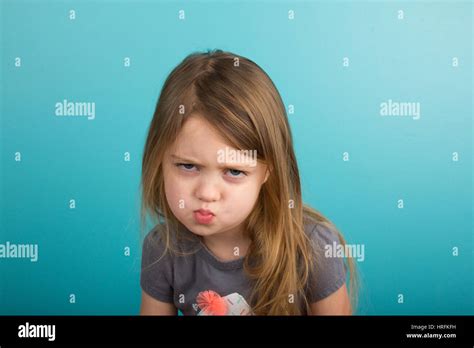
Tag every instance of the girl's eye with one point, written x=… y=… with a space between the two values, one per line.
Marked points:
x=235 y=173
x=186 y=166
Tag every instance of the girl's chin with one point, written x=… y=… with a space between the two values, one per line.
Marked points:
x=202 y=230
x=199 y=229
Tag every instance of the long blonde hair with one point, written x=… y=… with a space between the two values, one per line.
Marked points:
x=240 y=100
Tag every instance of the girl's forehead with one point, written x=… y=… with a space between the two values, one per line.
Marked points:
x=194 y=122
x=199 y=141
x=197 y=130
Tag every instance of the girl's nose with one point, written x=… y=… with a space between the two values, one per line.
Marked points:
x=207 y=191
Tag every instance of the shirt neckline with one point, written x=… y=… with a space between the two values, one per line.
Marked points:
x=223 y=265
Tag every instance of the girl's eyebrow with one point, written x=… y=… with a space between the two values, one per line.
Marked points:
x=224 y=165
x=183 y=159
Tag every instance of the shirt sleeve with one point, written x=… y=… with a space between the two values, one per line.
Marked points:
x=156 y=269
x=329 y=272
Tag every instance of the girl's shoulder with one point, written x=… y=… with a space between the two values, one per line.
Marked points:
x=329 y=272
x=161 y=238
x=321 y=232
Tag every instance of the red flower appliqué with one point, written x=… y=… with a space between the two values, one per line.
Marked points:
x=211 y=303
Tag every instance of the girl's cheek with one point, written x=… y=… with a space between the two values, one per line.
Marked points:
x=237 y=199
x=250 y=194
x=177 y=193
x=171 y=191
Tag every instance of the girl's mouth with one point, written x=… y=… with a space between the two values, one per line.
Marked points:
x=203 y=216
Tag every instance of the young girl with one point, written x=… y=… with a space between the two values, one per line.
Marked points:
x=219 y=174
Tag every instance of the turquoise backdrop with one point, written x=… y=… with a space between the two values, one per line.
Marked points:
x=401 y=186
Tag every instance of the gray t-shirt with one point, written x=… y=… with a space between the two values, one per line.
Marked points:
x=191 y=281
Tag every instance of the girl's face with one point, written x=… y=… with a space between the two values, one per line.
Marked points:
x=202 y=172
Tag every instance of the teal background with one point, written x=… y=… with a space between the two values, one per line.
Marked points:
x=407 y=251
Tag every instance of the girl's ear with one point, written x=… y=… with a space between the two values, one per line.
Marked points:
x=267 y=174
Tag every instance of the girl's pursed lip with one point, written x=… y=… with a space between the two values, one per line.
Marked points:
x=204 y=212
x=203 y=218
